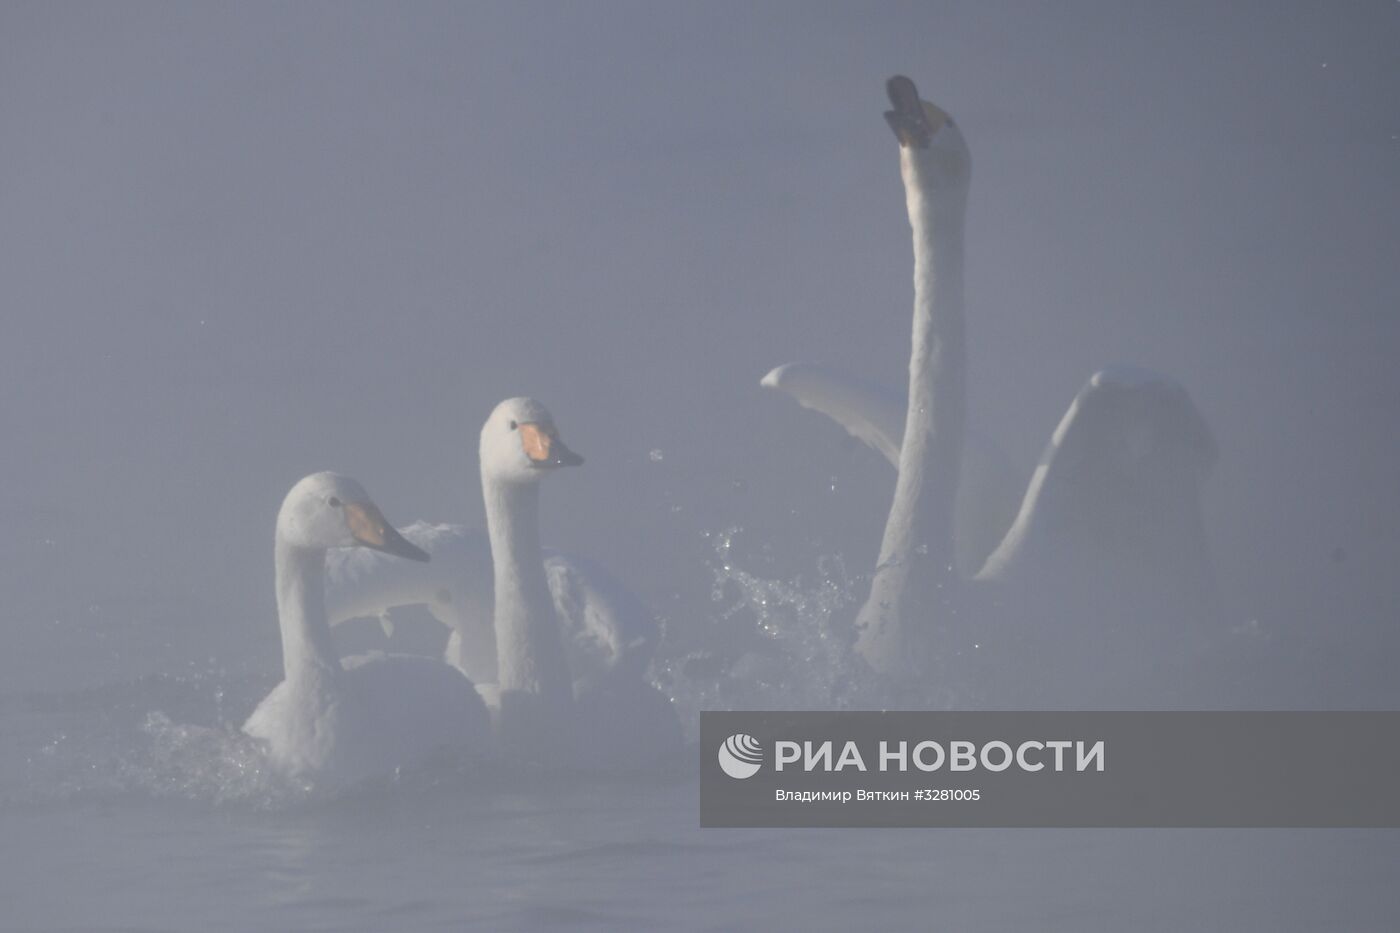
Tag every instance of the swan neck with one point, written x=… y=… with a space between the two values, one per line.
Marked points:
x=936 y=218
x=301 y=610
x=916 y=552
x=921 y=520
x=1036 y=505
x=529 y=647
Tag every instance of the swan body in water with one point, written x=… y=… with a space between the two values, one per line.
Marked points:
x=370 y=715
x=558 y=647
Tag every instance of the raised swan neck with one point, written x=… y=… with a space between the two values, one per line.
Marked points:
x=916 y=567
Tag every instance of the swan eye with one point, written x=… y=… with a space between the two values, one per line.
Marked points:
x=333 y=502
x=513 y=425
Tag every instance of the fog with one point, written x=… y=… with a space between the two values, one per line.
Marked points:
x=240 y=243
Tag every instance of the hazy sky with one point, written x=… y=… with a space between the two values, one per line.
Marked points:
x=242 y=242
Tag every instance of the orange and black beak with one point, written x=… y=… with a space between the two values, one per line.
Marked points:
x=544 y=448
x=369 y=527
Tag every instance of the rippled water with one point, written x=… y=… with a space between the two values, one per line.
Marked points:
x=629 y=856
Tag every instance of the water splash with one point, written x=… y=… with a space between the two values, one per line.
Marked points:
x=770 y=643
x=786 y=641
x=216 y=764
x=159 y=737
x=172 y=739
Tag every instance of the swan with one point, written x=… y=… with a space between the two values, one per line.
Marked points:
x=534 y=690
x=1115 y=501
x=1127 y=420
x=372 y=714
x=990 y=488
x=1104 y=593
x=1110 y=526
x=916 y=567
x=554 y=642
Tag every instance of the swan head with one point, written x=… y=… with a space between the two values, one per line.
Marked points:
x=927 y=130
x=519 y=443
x=326 y=510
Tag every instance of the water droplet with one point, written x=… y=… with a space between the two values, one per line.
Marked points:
x=656 y=455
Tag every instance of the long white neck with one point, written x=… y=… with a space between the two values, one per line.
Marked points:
x=529 y=647
x=301 y=611
x=916 y=554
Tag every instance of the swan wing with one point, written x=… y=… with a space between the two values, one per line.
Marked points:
x=991 y=487
x=867 y=410
x=361 y=582
x=455 y=586
x=607 y=630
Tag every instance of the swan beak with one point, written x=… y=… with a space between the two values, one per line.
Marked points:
x=369 y=527
x=914 y=121
x=544 y=448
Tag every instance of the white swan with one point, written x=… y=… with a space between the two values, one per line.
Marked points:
x=1103 y=593
x=373 y=714
x=553 y=641
x=990 y=488
x=1106 y=558
x=1109 y=528
x=1114 y=505
x=534 y=688
x=916 y=571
